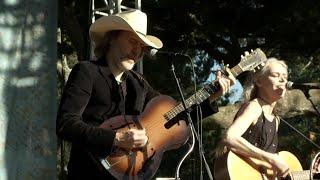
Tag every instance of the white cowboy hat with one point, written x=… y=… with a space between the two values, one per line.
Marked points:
x=132 y=20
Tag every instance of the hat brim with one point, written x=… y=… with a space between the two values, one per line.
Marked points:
x=110 y=23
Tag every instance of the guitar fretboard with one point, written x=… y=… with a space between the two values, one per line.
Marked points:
x=200 y=95
x=197 y=98
x=236 y=70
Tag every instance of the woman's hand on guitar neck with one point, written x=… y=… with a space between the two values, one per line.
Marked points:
x=225 y=84
x=133 y=138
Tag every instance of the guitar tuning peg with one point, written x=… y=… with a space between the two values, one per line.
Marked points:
x=251 y=50
x=246 y=53
x=222 y=63
x=242 y=56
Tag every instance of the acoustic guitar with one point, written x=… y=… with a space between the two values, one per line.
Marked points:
x=231 y=166
x=163 y=130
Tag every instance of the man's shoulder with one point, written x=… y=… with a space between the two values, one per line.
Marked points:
x=90 y=64
x=136 y=74
x=140 y=77
x=87 y=67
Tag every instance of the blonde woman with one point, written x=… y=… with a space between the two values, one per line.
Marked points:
x=254 y=130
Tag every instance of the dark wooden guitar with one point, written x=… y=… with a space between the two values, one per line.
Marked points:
x=143 y=163
x=231 y=166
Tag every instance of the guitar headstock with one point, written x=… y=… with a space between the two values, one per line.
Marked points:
x=253 y=61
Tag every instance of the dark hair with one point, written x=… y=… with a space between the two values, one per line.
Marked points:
x=101 y=49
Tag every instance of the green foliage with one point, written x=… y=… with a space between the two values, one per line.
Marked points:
x=302 y=69
x=212 y=31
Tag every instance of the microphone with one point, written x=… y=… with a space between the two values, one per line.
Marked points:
x=156 y=54
x=302 y=86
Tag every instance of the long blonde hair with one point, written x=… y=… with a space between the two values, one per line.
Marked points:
x=250 y=87
x=250 y=93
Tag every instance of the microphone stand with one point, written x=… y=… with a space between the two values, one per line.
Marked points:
x=190 y=125
x=307 y=94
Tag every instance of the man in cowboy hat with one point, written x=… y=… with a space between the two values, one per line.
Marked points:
x=99 y=90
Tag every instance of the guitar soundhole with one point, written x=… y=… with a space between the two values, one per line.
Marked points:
x=110 y=126
x=151 y=149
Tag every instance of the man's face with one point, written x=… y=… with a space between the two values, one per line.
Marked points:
x=126 y=50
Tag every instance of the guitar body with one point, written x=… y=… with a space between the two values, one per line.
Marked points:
x=143 y=163
x=234 y=167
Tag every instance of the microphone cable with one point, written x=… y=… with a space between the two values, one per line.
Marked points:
x=297 y=131
x=198 y=117
x=195 y=135
x=199 y=126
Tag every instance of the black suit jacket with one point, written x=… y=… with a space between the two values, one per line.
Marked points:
x=91 y=96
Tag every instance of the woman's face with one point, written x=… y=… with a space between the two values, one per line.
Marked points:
x=125 y=50
x=273 y=83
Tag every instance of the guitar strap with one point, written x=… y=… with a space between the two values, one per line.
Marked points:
x=137 y=122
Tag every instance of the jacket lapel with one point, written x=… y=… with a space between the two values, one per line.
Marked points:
x=105 y=71
x=137 y=93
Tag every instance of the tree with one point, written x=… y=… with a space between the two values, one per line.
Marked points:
x=212 y=31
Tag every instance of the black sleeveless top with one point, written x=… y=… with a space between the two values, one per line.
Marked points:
x=263 y=134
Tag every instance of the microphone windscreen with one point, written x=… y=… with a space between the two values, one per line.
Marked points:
x=151 y=53
x=289 y=85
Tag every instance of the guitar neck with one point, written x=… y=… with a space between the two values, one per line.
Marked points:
x=197 y=98
x=236 y=70
x=200 y=95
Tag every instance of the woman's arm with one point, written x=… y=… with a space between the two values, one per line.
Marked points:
x=247 y=116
